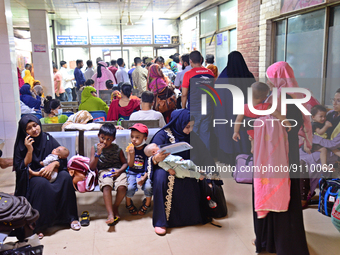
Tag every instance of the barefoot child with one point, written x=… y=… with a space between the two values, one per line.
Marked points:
x=175 y=165
x=320 y=127
x=60 y=152
x=104 y=156
x=260 y=93
x=136 y=161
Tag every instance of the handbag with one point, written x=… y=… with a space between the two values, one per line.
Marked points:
x=243 y=174
x=165 y=100
x=82 y=177
x=329 y=189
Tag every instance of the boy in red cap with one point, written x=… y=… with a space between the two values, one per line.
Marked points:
x=136 y=162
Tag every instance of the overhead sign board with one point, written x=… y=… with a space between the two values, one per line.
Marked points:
x=137 y=39
x=105 y=39
x=71 y=40
x=162 y=39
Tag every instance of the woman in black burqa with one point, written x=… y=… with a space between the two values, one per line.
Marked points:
x=56 y=202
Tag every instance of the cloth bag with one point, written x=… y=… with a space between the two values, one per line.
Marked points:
x=243 y=174
x=336 y=213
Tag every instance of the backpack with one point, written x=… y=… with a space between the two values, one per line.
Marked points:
x=82 y=177
x=217 y=195
x=15 y=212
x=329 y=189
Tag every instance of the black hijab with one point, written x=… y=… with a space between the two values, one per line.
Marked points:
x=42 y=147
x=99 y=70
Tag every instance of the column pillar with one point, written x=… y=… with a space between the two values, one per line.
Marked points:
x=41 y=49
x=9 y=88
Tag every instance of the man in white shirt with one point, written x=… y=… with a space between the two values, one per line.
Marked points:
x=146 y=113
x=89 y=70
x=185 y=67
x=122 y=73
x=27 y=67
x=66 y=81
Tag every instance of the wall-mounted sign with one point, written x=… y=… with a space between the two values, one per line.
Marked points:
x=162 y=39
x=137 y=39
x=39 y=47
x=219 y=39
x=72 y=40
x=105 y=39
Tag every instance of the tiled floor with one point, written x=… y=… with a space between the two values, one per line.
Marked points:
x=135 y=234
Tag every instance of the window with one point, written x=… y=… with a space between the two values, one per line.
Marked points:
x=227 y=14
x=208 y=21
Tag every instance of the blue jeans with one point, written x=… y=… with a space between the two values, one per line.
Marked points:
x=132 y=185
x=68 y=93
x=203 y=127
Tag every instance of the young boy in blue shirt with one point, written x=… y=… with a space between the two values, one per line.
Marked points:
x=136 y=162
x=106 y=156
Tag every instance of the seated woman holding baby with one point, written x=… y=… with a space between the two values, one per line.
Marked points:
x=325 y=151
x=184 y=209
x=42 y=177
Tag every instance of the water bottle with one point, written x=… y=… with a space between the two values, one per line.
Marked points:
x=212 y=204
x=138 y=178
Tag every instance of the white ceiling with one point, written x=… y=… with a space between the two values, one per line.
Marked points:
x=108 y=11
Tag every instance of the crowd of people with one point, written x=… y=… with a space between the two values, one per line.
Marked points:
x=281 y=232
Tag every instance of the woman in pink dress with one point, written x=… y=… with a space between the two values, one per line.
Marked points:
x=101 y=76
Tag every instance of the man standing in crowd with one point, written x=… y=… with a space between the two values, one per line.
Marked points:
x=113 y=69
x=209 y=61
x=58 y=88
x=167 y=72
x=79 y=76
x=139 y=76
x=185 y=67
x=192 y=81
x=122 y=74
x=27 y=67
x=133 y=67
x=66 y=80
x=89 y=70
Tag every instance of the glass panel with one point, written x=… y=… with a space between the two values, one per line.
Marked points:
x=203 y=46
x=74 y=32
x=132 y=52
x=103 y=32
x=70 y=55
x=333 y=58
x=105 y=53
x=227 y=14
x=222 y=50
x=208 y=21
x=233 y=40
x=280 y=41
x=139 y=33
x=167 y=28
x=305 y=48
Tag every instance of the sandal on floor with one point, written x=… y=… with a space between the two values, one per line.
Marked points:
x=144 y=208
x=115 y=222
x=85 y=218
x=76 y=226
x=41 y=236
x=132 y=209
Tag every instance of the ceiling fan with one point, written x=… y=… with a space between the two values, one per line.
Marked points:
x=87 y=2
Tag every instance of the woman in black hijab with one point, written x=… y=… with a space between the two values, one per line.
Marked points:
x=236 y=73
x=56 y=202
